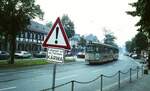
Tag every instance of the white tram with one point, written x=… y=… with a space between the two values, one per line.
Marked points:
x=99 y=53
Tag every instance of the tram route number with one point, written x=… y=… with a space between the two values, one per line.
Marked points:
x=55 y=55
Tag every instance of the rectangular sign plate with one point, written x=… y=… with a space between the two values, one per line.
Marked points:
x=55 y=55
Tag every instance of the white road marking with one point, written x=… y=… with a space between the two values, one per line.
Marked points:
x=66 y=77
x=3 y=89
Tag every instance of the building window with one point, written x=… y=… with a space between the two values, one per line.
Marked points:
x=26 y=34
x=38 y=36
x=34 y=35
x=21 y=34
x=30 y=35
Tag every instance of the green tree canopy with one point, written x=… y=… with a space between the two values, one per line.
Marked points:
x=82 y=41
x=128 y=45
x=141 y=41
x=109 y=38
x=49 y=24
x=15 y=16
x=142 y=10
x=131 y=45
x=68 y=26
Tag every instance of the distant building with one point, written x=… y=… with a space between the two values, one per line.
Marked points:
x=30 y=40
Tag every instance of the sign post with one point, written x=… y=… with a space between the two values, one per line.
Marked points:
x=56 y=41
x=54 y=77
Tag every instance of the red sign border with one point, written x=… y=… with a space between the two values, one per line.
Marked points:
x=64 y=35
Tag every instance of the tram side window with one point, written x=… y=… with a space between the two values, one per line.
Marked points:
x=97 y=49
x=89 y=49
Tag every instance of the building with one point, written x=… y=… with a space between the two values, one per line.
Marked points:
x=30 y=40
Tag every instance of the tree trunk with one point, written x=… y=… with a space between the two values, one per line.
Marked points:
x=6 y=42
x=12 y=49
x=148 y=60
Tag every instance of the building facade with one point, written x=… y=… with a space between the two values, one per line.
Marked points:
x=30 y=40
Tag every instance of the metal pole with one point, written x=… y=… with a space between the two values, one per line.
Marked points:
x=137 y=72
x=130 y=74
x=119 y=79
x=72 y=86
x=54 y=77
x=101 y=83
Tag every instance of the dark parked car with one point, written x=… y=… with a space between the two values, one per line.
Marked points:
x=40 y=54
x=4 y=55
x=81 y=55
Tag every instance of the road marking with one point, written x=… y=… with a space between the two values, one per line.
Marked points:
x=3 y=89
x=66 y=77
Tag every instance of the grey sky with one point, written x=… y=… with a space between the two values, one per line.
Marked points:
x=91 y=16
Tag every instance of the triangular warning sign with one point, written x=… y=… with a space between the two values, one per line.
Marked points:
x=57 y=37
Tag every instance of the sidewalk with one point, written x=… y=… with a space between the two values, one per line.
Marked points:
x=142 y=84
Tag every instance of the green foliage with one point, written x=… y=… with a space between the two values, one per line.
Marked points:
x=130 y=45
x=138 y=43
x=110 y=39
x=82 y=42
x=142 y=10
x=141 y=41
x=22 y=63
x=15 y=16
x=49 y=24
x=68 y=26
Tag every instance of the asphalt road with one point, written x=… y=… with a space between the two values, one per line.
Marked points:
x=40 y=77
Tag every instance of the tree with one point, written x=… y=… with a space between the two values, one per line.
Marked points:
x=109 y=38
x=68 y=26
x=82 y=42
x=141 y=42
x=49 y=24
x=142 y=10
x=128 y=45
x=15 y=16
x=131 y=45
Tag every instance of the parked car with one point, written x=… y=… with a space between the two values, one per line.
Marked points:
x=135 y=56
x=4 y=55
x=81 y=55
x=68 y=54
x=22 y=54
x=40 y=54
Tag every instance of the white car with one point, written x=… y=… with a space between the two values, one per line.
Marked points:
x=22 y=54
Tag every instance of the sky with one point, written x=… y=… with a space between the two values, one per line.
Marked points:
x=92 y=16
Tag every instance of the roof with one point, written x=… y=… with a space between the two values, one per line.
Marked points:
x=103 y=45
x=37 y=27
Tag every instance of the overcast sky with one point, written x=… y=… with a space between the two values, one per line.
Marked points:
x=92 y=16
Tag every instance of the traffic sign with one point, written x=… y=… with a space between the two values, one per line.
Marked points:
x=55 y=55
x=57 y=37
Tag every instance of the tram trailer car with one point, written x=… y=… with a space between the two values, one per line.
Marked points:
x=97 y=53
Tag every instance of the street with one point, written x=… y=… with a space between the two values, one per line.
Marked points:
x=37 y=78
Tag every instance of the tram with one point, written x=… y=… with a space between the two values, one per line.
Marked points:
x=96 y=53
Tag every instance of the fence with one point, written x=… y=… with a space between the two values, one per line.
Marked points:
x=101 y=77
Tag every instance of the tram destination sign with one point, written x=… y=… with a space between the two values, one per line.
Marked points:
x=55 y=55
